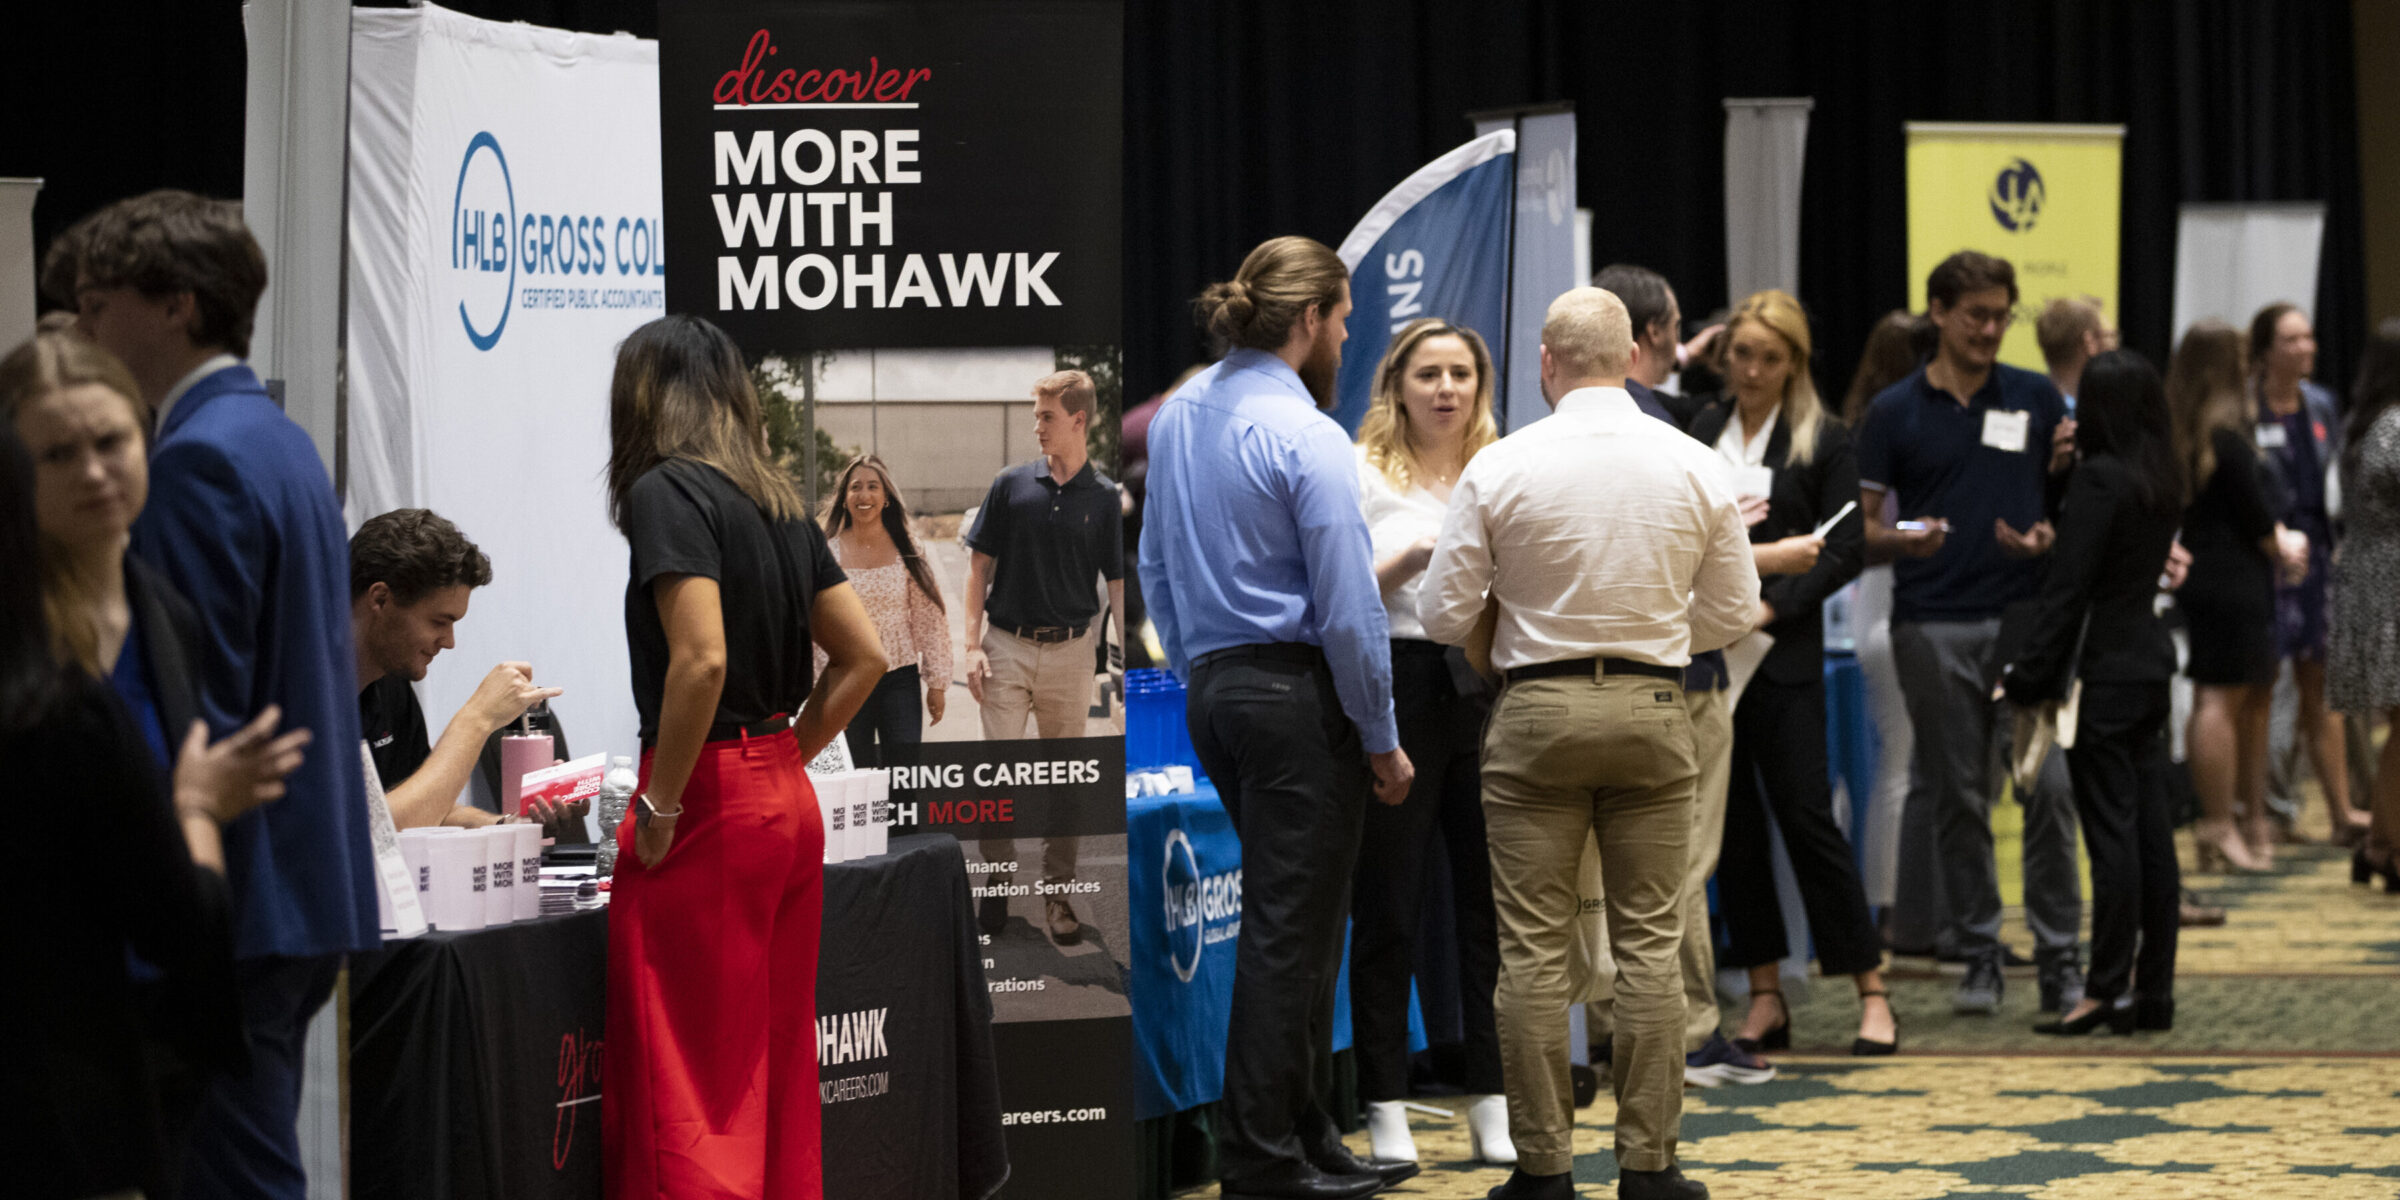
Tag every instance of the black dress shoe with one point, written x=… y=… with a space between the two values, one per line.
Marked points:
x=2118 y=1019
x=1300 y=1181
x=1339 y=1161
x=2155 y=1014
x=1521 y=1186
x=1659 y=1185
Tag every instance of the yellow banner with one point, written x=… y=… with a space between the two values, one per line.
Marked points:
x=2044 y=197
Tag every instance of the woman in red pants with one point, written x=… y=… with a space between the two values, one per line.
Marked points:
x=710 y=1087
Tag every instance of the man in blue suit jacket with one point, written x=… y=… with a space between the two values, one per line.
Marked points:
x=243 y=520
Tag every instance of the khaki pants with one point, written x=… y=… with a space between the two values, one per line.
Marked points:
x=1612 y=757
x=1712 y=744
x=1052 y=684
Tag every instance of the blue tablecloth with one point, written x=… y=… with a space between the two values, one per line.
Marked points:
x=1851 y=746
x=1184 y=882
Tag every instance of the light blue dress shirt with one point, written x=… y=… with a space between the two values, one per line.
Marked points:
x=1252 y=533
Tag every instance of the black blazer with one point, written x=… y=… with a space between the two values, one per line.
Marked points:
x=1802 y=498
x=2110 y=550
x=171 y=635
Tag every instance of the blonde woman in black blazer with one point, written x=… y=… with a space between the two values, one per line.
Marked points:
x=1771 y=420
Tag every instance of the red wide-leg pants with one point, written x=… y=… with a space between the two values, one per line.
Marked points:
x=710 y=1075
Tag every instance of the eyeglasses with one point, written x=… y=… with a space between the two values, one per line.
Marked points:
x=1982 y=318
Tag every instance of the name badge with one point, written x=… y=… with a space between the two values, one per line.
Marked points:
x=1754 y=481
x=2272 y=435
x=2006 y=429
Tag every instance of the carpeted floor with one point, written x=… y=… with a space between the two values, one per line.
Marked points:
x=2280 y=1080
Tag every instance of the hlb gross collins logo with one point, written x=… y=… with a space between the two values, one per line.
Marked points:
x=1200 y=910
x=493 y=243
x=2017 y=196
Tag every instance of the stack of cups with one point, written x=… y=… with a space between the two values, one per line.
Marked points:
x=457 y=878
x=414 y=844
x=500 y=873
x=529 y=869
x=875 y=836
x=857 y=810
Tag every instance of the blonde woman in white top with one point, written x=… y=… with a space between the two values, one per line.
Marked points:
x=1432 y=410
x=866 y=521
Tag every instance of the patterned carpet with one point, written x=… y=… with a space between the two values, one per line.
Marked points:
x=2280 y=1080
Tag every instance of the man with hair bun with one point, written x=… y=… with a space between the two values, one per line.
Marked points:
x=1260 y=579
x=1613 y=548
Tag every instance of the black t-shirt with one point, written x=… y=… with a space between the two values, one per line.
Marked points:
x=685 y=518
x=394 y=726
x=1048 y=540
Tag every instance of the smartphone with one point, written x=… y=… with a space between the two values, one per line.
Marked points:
x=1912 y=526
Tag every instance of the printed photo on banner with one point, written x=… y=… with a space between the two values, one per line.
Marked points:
x=971 y=497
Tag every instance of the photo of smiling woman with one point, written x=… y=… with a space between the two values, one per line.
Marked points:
x=867 y=521
x=1431 y=412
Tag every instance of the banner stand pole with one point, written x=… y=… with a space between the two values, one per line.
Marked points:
x=1508 y=282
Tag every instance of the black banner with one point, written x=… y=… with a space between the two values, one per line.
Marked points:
x=1042 y=822
x=894 y=173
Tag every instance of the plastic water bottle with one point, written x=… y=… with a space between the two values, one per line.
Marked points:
x=616 y=796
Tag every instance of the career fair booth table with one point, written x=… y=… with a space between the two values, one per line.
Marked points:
x=475 y=1056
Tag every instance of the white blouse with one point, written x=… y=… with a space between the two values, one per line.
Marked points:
x=1395 y=520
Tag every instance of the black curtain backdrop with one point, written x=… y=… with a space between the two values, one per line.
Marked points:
x=1247 y=119
x=1251 y=118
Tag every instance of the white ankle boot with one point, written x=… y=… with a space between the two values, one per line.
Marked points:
x=1387 y=1132
x=1487 y=1131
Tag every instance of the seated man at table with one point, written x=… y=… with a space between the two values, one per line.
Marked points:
x=411 y=573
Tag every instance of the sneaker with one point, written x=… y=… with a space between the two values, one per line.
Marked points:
x=1721 y=1062
x=1980 y=991
x=2062 y=984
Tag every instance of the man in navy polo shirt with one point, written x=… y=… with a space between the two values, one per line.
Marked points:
x=1970 y=446
x=1045 y=540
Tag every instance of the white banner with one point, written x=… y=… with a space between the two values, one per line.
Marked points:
x=2233 y=259
x=504 y=237
x=1766 y=146
x=1542 y=261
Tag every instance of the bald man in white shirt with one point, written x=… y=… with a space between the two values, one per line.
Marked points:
x=1613 y=549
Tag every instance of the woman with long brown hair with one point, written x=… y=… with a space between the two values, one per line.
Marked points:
x=1431 y=412
x=2228 y=596
x=866 y=520
x=1913 y=918
x=121 y=791
x=2300 y=441
x=714 y=920
x=1772 y=426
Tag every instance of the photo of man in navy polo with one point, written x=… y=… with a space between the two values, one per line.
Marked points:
x=1044 y=544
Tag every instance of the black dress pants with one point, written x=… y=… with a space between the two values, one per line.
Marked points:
x=894 y=713
x=1441 y=730
x=1288 y=765
x=2119 y=768
x=1779 y=767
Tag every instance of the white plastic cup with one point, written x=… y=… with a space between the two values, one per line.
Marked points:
x=456 y=883
x=529 y=870
x=833 y=807
x=500 y=874
x=875 y=836
x=414 y=851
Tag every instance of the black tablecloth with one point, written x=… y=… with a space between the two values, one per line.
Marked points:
x=475 y=1057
